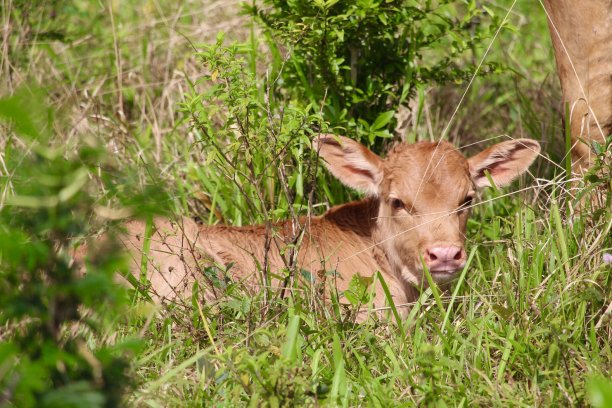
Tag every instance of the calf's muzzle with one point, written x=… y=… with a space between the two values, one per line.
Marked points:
x=448 y=258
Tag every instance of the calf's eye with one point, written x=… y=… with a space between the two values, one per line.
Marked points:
x=466 y=203
x=397 y=204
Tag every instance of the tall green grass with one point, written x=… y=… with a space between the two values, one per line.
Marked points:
x=527 y=324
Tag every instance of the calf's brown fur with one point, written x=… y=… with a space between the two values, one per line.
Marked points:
x=415 y=212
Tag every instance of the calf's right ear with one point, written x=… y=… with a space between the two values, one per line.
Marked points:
x=350 y=162
x=504 y=162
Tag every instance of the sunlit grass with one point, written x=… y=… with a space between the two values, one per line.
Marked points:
x=528 y=323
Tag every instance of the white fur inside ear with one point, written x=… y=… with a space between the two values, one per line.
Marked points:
x=350 y=162
x=504 y=162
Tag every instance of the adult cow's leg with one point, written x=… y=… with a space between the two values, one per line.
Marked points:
x=581 y=33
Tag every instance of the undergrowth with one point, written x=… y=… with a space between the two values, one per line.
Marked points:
x=150 y=95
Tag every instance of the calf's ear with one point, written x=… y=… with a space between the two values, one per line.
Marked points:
x=504 y=161
x=350 y=162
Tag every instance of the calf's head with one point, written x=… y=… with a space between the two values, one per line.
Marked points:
x=424 y=191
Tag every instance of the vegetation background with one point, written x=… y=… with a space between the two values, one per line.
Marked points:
x=205 y=108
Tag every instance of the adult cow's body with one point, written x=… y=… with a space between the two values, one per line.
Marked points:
x=416 y=212
x=581 y=33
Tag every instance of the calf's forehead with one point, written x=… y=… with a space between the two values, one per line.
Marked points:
x=437 y=170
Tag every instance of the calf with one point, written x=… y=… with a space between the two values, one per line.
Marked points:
x=415 y=212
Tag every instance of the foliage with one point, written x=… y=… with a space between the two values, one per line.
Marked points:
x=256 y=147
x=363 y=59
x=51 y=312
x=526 y=323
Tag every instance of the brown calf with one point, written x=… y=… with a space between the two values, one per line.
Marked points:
x=416 y=210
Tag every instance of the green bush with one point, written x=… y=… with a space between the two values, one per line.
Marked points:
x=255 y=145
x=53 y=316
x=363 y=59
x=528 y=326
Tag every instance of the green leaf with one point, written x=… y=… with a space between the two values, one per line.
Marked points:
x=79 y=178
x=339 y=381
x=78 y=394
x=382 y=120
x=600 y=392
x=26 y=111
x=32 y=202
x=357 y=291
x=291 y=341
x=17 y=110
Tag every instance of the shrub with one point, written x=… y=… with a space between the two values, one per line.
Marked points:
x=53 y=317
x=255 y=144
x=363 y=59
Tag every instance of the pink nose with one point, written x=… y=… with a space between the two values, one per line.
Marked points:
x=445 y=258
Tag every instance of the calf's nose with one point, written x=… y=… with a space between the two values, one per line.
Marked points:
x=444 y=258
